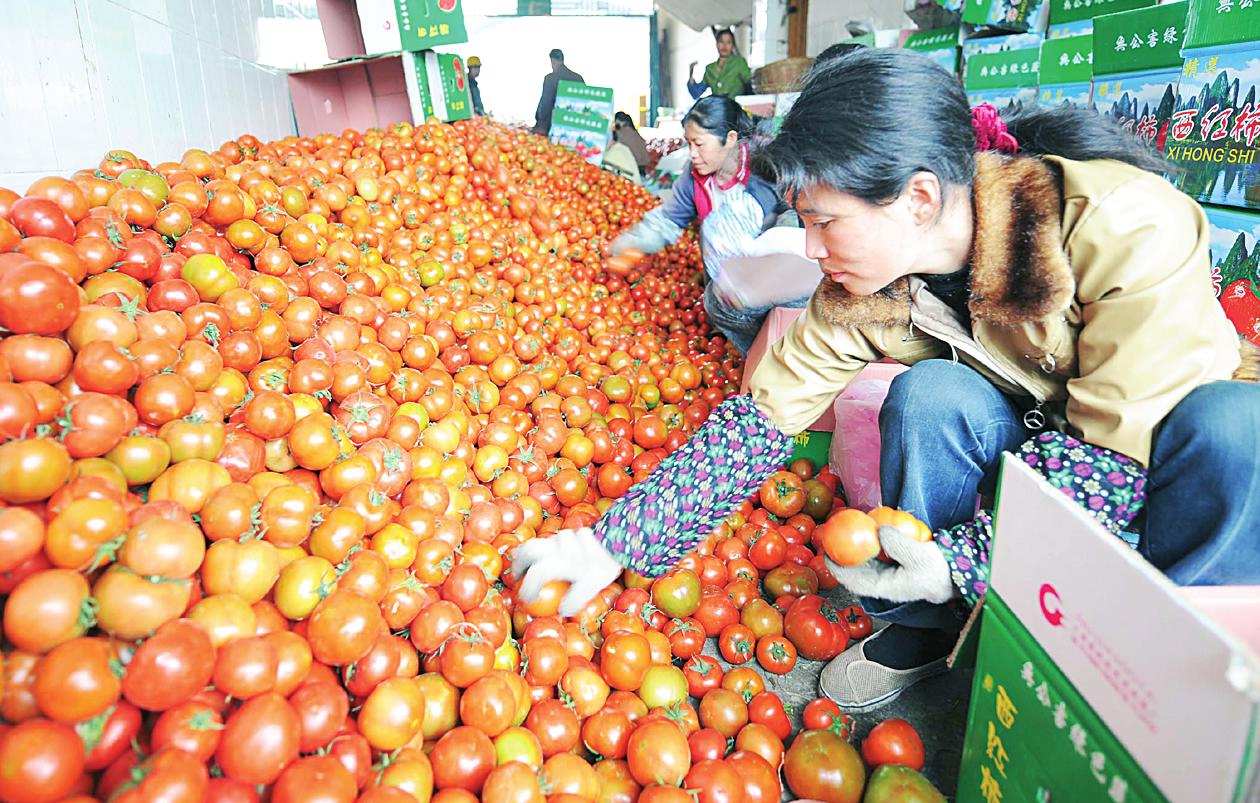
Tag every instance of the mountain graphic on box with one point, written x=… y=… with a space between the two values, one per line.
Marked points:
x=1217 y=117
x=1148 y=124
x=1234 y=279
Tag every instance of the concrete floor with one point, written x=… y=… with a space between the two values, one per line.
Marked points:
x=936 y=707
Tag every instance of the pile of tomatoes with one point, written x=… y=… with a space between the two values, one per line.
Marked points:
x=273 y=418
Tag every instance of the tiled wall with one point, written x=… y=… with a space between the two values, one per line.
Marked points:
x=152 y=76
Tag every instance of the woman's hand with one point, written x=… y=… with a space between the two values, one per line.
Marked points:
x=691 y=72
x=575 y=557
x=920 y=571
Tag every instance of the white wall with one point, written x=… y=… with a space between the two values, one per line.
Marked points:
x=152 y=76
x=828 y=17
x=687 y=45
x=606 y=51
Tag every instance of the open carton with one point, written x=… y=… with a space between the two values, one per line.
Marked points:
x=406 y=87
x=1096 y=678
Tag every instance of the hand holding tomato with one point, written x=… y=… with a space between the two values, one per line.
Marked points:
x=575 y=557
x=920 y=571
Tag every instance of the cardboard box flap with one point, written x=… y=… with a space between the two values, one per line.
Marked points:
x=1141 y=40
x=1008 y=70
x=937 y=39
x=1067 y=61
x=1175 y=689
x=1063 y=12
x=1214 y=23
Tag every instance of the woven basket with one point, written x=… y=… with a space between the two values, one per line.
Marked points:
x=780 y=76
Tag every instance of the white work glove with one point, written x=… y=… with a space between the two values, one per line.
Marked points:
x=572 y=556
x=649 y=235
x=920 y=571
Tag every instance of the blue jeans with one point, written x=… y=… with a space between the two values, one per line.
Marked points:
x=739 y=326
x=944 y=428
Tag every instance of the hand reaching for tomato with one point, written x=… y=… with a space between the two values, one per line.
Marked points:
x=920 y=571
x=575 y=557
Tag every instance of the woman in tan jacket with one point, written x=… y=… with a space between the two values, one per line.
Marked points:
x=1052 y=295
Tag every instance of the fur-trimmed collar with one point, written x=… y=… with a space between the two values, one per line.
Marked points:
x=1019 y=271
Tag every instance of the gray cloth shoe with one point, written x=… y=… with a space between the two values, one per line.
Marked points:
x=859 y=684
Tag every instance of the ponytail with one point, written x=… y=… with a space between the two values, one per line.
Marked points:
x=1080 y=135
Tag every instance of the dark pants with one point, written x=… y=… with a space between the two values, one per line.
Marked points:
x=944 y=427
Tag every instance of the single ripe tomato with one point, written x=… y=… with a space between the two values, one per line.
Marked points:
x=893 y=741
x=857 y=621
x=850 y=537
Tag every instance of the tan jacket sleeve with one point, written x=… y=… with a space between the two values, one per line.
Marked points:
x=1152 y=330
x=801 y=374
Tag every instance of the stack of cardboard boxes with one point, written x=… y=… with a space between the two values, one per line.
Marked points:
x=384 y=70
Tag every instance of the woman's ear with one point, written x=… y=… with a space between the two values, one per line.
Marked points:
x=732 y=137
x=926 y=197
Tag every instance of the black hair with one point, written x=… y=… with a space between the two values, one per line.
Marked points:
x=718 y=33
x=624 y=119
x=836 y=51
x=719 y=115
x=864 y=124
x=557 y=54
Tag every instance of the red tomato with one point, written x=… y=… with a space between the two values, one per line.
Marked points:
x=893 y=741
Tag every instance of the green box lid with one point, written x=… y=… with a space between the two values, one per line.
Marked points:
x=423 y=24
x=936 y=39
x=1145 y=39
x=1067 y=61
x=1008 y=70
x=1222 y=22
x=1064 y=11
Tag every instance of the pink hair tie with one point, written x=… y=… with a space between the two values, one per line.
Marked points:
x=990 y=128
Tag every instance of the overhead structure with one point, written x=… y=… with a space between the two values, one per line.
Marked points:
x=701 y=14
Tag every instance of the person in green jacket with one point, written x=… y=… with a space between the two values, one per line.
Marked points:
x=728 y=76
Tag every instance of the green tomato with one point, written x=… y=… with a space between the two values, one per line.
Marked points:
x=893 y=783
x=663 y=686
x=150 y=185
x=431 y=272
x=677 y=594
x=209 y=276
x=141 y=458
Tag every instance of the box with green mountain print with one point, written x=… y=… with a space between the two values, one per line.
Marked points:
x=1214 y=134
x=1137 y=63
x=1067 y=68
x=1236 y=266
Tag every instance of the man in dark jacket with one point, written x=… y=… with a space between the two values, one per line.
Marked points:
x=474 y=90
x=547 y=103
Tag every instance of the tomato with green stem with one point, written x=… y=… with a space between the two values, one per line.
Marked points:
x=767 y=709
x=737 y=644
x=776 y=654
x=703 y=674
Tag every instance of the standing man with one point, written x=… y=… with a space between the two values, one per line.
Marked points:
x=474 y=91
x=547 y=103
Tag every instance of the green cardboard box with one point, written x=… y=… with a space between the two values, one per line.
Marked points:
x=1076 y=17
x=583 y=119
x=940 y=44
x=1011 y=15
x=1215 y=130
x=392 y=25
x=1006 y=80
x=1067 y=71
x=1137 y=64
x=1097 y=680
x=437 y=86
x=583 y=132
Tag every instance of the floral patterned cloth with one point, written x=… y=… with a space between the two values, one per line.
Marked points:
x=662 y=518
x=1108 y=485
